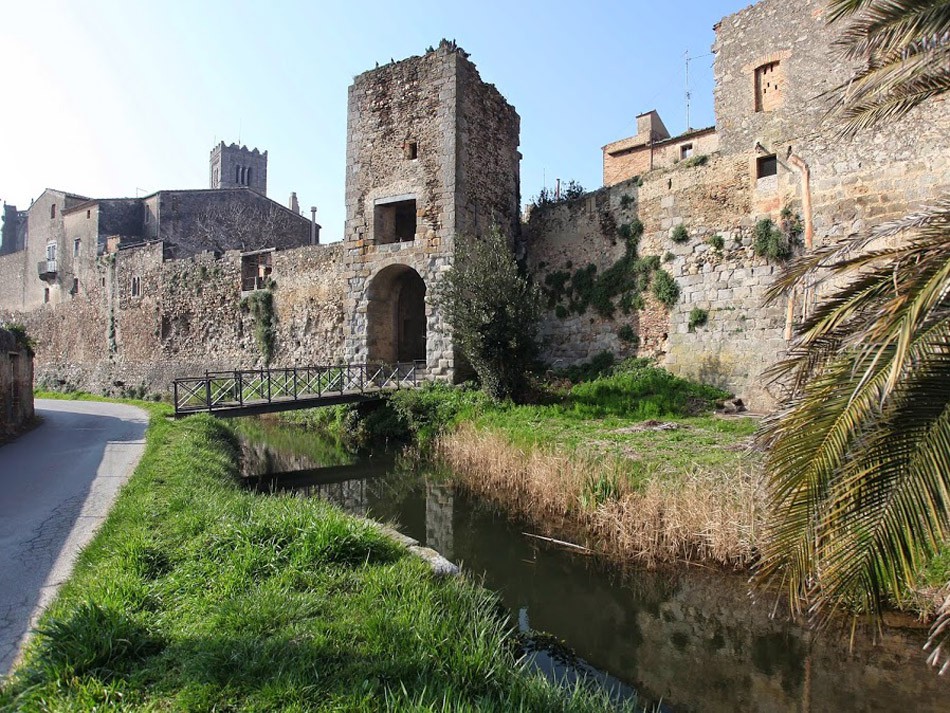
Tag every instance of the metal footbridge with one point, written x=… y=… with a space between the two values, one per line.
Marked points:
x=247 y=392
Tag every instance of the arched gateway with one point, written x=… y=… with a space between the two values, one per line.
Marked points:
x=396 y=316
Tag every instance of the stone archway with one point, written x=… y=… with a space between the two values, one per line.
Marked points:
x=396 y=316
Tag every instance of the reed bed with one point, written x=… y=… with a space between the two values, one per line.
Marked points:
x=699 y=515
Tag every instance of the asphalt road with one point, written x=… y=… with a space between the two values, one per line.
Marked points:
x=57 y=484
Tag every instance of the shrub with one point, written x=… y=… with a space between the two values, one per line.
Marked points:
x=626 y=333
x=773 y=243
x=261 y=306
x=21 y=337
x=700 y=160
x=601 y=364
x=697 y=318
x=665 y=288
x=494 y=312
x=569 y=191
x=679 y=234
x=626 y=200
x=669 y=257
x=717 y=242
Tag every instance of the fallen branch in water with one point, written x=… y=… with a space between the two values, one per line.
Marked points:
x=581 y=548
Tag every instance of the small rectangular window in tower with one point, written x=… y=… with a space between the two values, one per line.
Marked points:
x=411 y=150
x=136 y=287
x=52 y=211
x=46 y=295
x=768 y=90
x=395 y=220
x=686 y=150
x=766 y=166
x=75 y=290
x=88 y=214
x=76 y=244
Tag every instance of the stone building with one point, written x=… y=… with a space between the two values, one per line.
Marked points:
x=432 y=154
x=13 y=233
x=16 y=384
x=64 y=235
x=779 y=157
x=237 y=167
x=652 y=147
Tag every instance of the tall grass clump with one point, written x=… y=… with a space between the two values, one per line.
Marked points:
x=199 y=595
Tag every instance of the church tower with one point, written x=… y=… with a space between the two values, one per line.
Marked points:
x=238 y=167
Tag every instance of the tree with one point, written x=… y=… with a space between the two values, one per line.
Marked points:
x=494 y=312
x=859 y=455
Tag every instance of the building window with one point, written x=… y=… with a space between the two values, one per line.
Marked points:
x=410 y=150
x=76 y=244
x=88 y=214
x=766 y=166
x=686 y=150
x=395 y=221
x=256 y=269
x=51 y=252
x=768 y=90
x=46 y=295
x=148 y=214
x=52 y=211
x=75 y=290
x=136 y=287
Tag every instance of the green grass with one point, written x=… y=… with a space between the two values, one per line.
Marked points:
x=199 y=596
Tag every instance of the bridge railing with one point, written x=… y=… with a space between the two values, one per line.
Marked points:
x=221 y=390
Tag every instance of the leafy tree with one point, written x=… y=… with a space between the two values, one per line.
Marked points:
x=494 y=313
x=859 y=456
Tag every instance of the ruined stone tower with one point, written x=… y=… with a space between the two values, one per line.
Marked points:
x=432 y=153
x=238 y=167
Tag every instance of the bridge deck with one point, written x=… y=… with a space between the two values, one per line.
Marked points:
x=258 y=391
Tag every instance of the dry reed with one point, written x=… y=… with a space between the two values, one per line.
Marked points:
x=700 y=515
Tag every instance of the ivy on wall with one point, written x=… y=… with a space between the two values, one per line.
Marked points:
x=619 y=287
x=260 y=305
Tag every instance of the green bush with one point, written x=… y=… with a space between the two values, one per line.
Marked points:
x=772 y=243
x=602 y=363
x=494 y=312
x=717 y=242
x=261 y=306
x=22 y=338
x=700 y=160
x=697 y=318
x=665 y=288
x=679 y=234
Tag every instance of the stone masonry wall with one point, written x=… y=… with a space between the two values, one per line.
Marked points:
x=188 y=317
x=16 y=385
x=462 y=173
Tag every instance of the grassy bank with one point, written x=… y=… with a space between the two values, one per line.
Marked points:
x=630 y=458
x=197 y=595
x=633 y=461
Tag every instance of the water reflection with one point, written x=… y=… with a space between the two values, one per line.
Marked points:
x=691 y=638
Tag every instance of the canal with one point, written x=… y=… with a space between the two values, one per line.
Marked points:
x=689 y=639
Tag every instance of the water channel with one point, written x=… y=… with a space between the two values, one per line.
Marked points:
x=690 y=639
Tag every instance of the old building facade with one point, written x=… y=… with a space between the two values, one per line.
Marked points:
x=165 y=281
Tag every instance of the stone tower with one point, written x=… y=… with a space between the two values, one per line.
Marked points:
x=238 y=167
x=432 y=153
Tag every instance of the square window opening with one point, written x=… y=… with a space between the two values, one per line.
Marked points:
x=411 y=150
x=686 y=150
x=395 y=222
x=766 y=166
x=256 y=269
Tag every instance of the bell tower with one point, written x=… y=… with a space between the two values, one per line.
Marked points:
x=238 y=167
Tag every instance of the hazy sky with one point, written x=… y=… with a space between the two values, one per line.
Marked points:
x=114 y=98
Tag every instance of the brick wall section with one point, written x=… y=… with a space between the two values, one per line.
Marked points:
x=16 y=385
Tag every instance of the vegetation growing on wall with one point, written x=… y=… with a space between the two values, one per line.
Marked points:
x=777 y=242
x=679 y=234
x=665 y=288
x=22 y=338
x=548 y=197
x=260 y=304
x=716 y=242
x=697 y=318
x=619 y=287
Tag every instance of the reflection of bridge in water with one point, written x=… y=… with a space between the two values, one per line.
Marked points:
x=247 y=392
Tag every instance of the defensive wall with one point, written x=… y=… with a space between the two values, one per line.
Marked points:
x=16 y=384
x=660 y=263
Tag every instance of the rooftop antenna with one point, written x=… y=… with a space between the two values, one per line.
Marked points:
x=688 y=94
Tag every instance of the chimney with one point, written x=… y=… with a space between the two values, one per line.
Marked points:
x=293 y=204
x=314 y=230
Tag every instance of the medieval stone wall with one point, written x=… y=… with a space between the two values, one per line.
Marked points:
x=184 y=317
x=16 y=385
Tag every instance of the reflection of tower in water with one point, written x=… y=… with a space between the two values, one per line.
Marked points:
x=440 y=504
x=351 y=496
